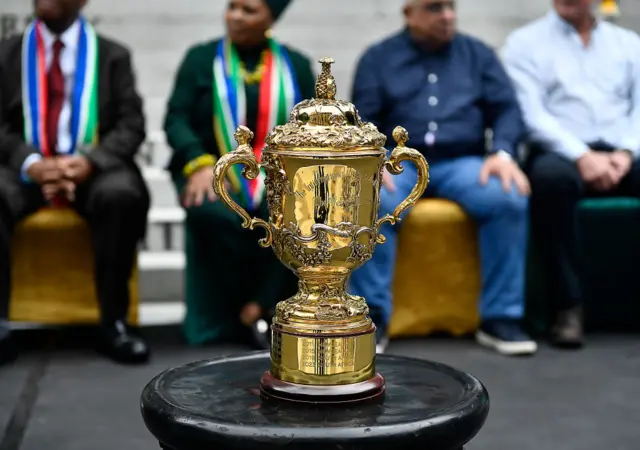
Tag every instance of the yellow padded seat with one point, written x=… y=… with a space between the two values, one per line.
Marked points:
x=437 y=277
x=52 y=271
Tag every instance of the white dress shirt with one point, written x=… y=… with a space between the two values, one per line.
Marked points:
x=571 y=94
x=68 y=53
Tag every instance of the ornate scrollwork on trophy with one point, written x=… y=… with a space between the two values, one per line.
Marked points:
x=276 y=184
x=361 y=252
x=298 y=135
x=291 y=239
x=324 y=301
x=349 y=306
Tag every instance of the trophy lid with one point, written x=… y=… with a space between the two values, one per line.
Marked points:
x=324 y=122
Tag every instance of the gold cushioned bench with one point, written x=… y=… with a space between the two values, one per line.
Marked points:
x=437 y=277
x=52 y=271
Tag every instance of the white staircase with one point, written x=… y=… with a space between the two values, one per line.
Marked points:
x=161 y=261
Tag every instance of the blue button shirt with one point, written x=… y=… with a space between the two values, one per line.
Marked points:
x=446 y=99
x=572 y=94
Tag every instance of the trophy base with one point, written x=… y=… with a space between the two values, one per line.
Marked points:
x=217 y=404
x=272 y=389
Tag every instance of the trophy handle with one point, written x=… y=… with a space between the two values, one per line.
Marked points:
x=399 y=154
x=242 y=155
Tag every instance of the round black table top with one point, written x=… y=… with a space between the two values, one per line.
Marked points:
x=217 y=404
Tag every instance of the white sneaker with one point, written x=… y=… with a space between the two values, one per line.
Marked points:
x=506 y=337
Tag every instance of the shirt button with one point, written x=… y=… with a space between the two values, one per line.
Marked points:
x=433 y=126
x=433 y=78
x=433 y=101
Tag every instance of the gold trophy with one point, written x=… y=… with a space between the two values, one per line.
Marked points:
x=322 y=173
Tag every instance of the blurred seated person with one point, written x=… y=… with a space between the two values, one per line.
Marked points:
x=446 y=88
x=221 y=84
x=578 y=82
x=72 y=142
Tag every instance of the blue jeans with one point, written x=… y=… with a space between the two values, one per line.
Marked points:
x=502 y=220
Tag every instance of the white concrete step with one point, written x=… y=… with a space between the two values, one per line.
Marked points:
x=161 y=276
x=163 y=193
x=165 y=229
x=167 y=313
x=167 y=260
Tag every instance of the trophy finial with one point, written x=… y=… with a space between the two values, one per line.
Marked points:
x=326 y=84
x=401 y=136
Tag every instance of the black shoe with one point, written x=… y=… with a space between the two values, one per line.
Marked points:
x=506 y=337
x=261 y=333
x=120 y=343
x=8 y=347
x=567 y=330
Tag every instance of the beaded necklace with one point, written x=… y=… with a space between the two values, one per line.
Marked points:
x=254 y=77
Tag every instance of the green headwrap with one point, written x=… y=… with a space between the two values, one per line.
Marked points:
x=277 y=7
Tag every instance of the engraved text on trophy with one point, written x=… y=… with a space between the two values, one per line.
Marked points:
x=328 y=194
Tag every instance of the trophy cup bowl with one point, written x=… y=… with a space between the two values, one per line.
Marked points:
x=323 y=172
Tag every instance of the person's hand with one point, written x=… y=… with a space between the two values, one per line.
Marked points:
x=199 y=185
x=75 y=168
x=597 y=170
x=507 y=171
x=621 y=161
x=45 y=171
x=63 y=187
x=387 y=181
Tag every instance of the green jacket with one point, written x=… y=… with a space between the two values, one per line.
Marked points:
x=188 y=122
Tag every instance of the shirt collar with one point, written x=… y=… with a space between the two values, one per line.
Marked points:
x=419 y=50
x=69 y=38
x=565 y=26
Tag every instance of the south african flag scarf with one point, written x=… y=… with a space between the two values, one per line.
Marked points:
x=84 y=112
x=279 y=93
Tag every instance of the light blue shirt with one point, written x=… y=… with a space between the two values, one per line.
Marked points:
x=572 y=94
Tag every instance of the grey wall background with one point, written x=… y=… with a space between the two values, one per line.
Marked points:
x=159 y=31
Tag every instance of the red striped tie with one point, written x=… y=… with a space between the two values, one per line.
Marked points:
x=55 y=96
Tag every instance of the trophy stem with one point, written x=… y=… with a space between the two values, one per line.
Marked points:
x=323 y=343
x=322 y=299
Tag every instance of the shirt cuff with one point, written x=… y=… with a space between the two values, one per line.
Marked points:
x=574 y=151
x=505 y=147
x=28 y=162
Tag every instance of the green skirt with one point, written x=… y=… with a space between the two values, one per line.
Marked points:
x=226 y=269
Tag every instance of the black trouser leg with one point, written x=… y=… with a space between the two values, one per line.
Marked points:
x=556 y=188
x=115 y=204
x=16 y=201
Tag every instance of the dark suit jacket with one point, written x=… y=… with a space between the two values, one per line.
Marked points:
x=121 y=119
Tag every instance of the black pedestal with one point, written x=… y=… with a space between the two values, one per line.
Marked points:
x=216 y=404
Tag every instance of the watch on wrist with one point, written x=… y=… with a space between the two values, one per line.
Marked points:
x=503 y=154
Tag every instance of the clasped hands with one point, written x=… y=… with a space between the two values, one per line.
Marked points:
x=604 y=170
x=60 y=175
